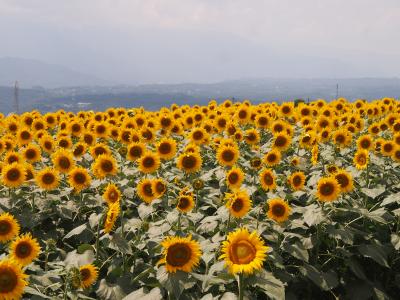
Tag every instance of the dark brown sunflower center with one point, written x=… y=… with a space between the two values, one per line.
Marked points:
x=5 y=227
x=126 y=135
x=165 y=148
x=228 y=155
x=135 y=151
x=387 y=147
x=48 y=178
x=242 y=114
x=361 y=159
x=280 y=141
x=183 y=202
x=340 y=138
x=286 y=109
x=325 y=134
x=237 y=205
x=165 y=122
x=297 y=180
x=198 y=135
x=278 y=128
x=23 y=250
x=147 y=189
x=80 y=178
x=160 y=187
x=48 y=145
x=107 y=166
x=327 y=189
x=278 y=210
x=178 y=255
x=271 y=157
x=100 y=129
x=8 y=280
x=255 y=162
x=268 y=179
x=25 y=135
x=64 y=163
x=63 y=143
x=76 y=128
x=233 y=177
x=88 y=139
x=221 y=123
x=242 y=252
x=30 y=154
x=343 y=180
x=148 y=162
x=251 y=137
x=78 y=150
x=13 y=174
x=12 y=158
x=189 y=161
x=262 y=121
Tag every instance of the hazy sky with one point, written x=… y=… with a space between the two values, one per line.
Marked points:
x=132 y=41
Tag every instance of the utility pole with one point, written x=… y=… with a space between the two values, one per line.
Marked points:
x=16 y=100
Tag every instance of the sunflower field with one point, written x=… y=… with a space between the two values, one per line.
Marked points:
x=220 y=201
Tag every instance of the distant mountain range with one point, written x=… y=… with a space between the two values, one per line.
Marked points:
x=31 y=73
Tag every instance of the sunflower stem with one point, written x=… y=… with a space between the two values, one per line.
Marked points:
x=98 y=236
x=179 y=222
x=227 y=224
x=240 y=286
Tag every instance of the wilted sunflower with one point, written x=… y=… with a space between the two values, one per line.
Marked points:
x=166 y=148
x=180 y=253
x=185 y=203
x=9 y=227
x=227 y=155
x=104 y=165
x=243 y=252
x=145 y=190
x=149 y=162
x=63 y=160
x=272 y=158
x=12 y=280
x=267 y=179
x=345 y=181
x=112 y=216
x=24 y=249
x=79 y=179
x=328 y=189
x=189 y=162
x=111 y=194
x=88 y=275
x=234 y=177
x=278 y=210
x=47 y=179
x=238 y=203
x=13 y=175
x=297 y=180
x=361 y=159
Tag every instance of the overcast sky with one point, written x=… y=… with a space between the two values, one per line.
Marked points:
x=149 y=41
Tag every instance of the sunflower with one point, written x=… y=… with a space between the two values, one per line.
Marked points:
x=295 y=161
x=189 y=162
x=278 y=126
x=24 y=249
x=47 y=143
x=100 y=149
x=180 y=253
x=281 y=141
x=272 y=158
x=13 y=175
x=341 y=138
x=243 y=252
x=234 y=178
x=227 y=155
x=278 y=210
x=12 y=280
x=185 y=203
x=332 y=169
x=199 y=136
x=238 y=203
x=166 y=148
x=262 y=121
x=328 y=189
x=88 y=275
x=135 y=150
x=365 y=142
x=79 y=149
x=31 y=153
x=79 y=179
x=159 y=187
x=63 y=160
x=314 y=154
x=387 y=148
x=297 y=180
x=9 y=227
x=145 y=190
x=396 y=154
x=47 y=179
x=361 y=159
x=24 y=136
x=267 y=179
x=104 y=165
x=345 y=181
x=88 y=138
x=149 y=162
x=112 y=216
x=111 y=194
x=251 y=136
x=12 y=157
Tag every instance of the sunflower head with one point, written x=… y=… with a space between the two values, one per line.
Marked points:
x=238 y=203
x=12 y=280
x=79 y=179
x=180 y=253
x=24 y=249
x=111 y=216
x=145 y=190
x=149 y=162
x=189 y=162
x=13 y=175
x=47 y=179
x=111 y=194
x=227 y=155
x=9 y=227
x=88 y=275
x=328 y=189
x=272 y=158
x=278 y=210
x=63 y=160
x=234 y=177
x=297 y=180
x=166 y=148
x=105 y=165
x=345 y=181
x=243 y=252
x=361 y=158
x=185 y=203
x=267 y=179
x=159 y=187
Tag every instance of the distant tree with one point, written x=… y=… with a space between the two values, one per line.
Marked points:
x=298 y=101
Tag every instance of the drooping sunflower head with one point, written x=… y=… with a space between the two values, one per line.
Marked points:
x=47 y=179
x=278 y=210
x=9 y=227
x=243 y=252
x=238 y=203
x=166 y=148
x=345 y=181
x=189 y=162
x=149 y=162
x=24 y=249
x=185 y=203
x=112 y=216
x=180 y=253
x=111 y=194
x=88 y=275
x=79 y=179
x=272 y=158
x=145 y=190
x=328 y=189
x=12 y=280
x=234 y=177
x=227 y=155
x=297 y=180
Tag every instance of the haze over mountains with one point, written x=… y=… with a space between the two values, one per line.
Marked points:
x=50 y=87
